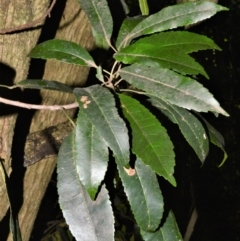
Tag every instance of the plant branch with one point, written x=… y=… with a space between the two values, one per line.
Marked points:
x=133 y=91
x=29 y=24
x=38 y=107
x=10 y=87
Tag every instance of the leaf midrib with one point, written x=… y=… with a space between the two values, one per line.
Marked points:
x=131 y=36
x=81 y=185
x=166 y=85
x=165 y=60
x=102 y=25
x=172 y=106
x=129 y=113
x=108 y=124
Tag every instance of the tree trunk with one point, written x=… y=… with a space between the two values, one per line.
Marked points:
x=14 y=48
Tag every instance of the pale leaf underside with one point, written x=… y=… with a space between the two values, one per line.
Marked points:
x=87 y=219
x=172 y=87
x=191 y=128
x=98 y=105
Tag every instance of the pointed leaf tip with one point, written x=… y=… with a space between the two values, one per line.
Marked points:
x=150 y=140
x=84 y=216
x=63 y=51
x=91 y=153
x=174 y=16
x=172 y=87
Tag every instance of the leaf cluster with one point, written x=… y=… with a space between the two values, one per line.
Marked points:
x=156 y=64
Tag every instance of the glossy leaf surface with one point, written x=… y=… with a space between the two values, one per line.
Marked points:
x=91 y=155
x=45 y=84
x=63 y=51
x=150 y=140
x=98 y=105
x=144 y=195
x=171 y=51
x=172 y=87
x=191 y=128
x=100 y=18
x=173 y=17
x=87 y=219
x=169 y=231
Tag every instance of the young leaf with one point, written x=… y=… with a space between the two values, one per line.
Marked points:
x=144 y=195
x=172 y=87
x=150 y=140
x=63 y=51
x=45 y=84
x=88 y=220
x=191 y=128
x=98 y=105
x=169 y=231
x=91 y=155
x=171 y=51
x=173 y=17
x=100 y=18
x=127 y=26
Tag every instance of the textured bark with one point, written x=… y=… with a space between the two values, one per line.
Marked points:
x=13 y=58
x=74 y=26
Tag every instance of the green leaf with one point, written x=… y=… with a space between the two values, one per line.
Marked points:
x=127 y=26
x=171 y=51
x=172 y=87
x=100 y=18
x=99 y=74
x=191 y=128
x=169 y=231
x=88 y=220
x=98 y=105
x=173 y=17
x=217 y=139
x=144 y=7
x=63 y=51
x=150 y=140
x=91 y=155
x=142 y=189
x=45 y=84
x=164 y=58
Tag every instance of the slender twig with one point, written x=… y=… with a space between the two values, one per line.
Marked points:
x=113 y=67
x=133 y=91
x=9 y=87
x=29 y=24
x=38 y=107
x=115 y=84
